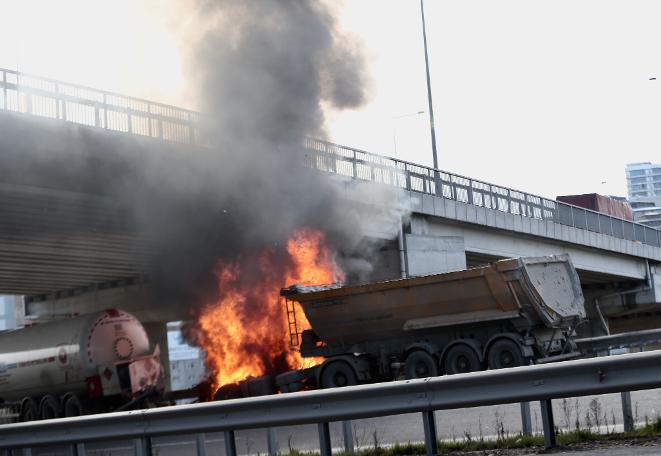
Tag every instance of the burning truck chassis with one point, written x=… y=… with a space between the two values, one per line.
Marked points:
x=511 y=313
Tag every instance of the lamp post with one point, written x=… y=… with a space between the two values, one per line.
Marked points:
x=394 y=127
x=431 y=109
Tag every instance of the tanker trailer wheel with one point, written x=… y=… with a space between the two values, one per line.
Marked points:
x=505 y=353
x=72 y=406
x=49 y=408
x=338 y=374
x=29 y=410
x=461 y=359
x=420 y=364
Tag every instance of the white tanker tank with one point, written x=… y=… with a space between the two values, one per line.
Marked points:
x=69 y=367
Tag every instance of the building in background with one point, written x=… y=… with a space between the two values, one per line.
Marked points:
x=644 y=189
x=186 y=362
x=12 y=311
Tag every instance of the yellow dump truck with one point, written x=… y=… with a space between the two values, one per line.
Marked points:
x=510 y=313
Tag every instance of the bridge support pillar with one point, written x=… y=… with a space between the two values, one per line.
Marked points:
x=547 y=423
x=431 y=441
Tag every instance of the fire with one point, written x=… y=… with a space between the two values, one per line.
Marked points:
x=245 y=333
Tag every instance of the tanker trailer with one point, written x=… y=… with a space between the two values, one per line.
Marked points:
x=92 y=363
x=510 y=313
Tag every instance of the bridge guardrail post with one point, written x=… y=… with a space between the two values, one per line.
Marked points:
x=271 y=441
x=547 y=423
x=324 y=439
x=200 y=444
x=142 y=446
x=230 y=443
x=526 y=421
x=431 y=441
x=347 y=434
x=627 y=413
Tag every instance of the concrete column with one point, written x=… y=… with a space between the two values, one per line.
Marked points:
x=158 y=334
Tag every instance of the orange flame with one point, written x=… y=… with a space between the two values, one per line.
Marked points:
x=245 y=333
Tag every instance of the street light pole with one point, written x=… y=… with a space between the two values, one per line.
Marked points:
x=431 y=109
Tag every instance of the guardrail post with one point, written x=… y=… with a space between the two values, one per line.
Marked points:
x=142 y=446
x=78 y=449
x=526 y=422
x=347 y=433
x=271 y=441
x=324 y=439
x=627 y=413
x=230 y=443
x=547 y=423
x=429 y=423
x=200 y=444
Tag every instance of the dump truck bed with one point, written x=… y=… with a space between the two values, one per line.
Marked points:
x=543 y=290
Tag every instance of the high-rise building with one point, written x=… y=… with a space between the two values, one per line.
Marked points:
x=644 y=189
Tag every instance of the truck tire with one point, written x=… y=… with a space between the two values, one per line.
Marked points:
x=29 y=410
x=338 y=374
x=420 y=364
x=49 y=408
x=505 y=353
x=461 y=359
x=72 y=406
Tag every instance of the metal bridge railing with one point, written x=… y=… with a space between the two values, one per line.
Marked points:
x=59 y=100
x=542 y=383
x=49 y=98
x=358 y=164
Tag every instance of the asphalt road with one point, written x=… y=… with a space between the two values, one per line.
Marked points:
x=451 y=424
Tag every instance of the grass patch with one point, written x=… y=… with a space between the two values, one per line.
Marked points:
x=511 y=442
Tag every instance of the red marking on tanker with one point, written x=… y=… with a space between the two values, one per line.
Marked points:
x=107 y=373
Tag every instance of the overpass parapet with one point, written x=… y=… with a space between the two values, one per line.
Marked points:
x=49 y=98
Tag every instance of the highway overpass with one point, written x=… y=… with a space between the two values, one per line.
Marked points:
x=70 y=248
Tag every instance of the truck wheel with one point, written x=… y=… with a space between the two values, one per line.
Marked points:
x=338 y=374
x=505 y=353
x=29 y=410
x=420 y=364
x=72 y=406
x=461 y=359
x=49 y=408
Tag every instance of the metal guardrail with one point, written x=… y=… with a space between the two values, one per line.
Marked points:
x=359 y=164
x=49 y=98
x=43 y=97
x=530 y=383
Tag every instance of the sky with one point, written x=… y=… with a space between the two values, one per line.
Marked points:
x=548 y=97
